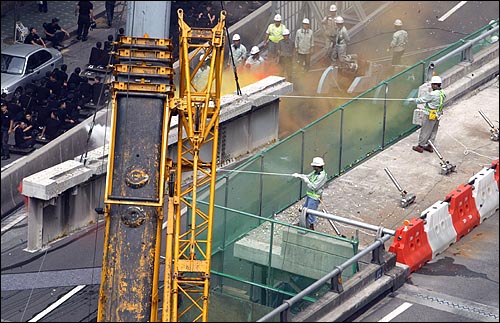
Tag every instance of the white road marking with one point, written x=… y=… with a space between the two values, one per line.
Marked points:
x=14 y=222
x=452 y=10
x=57 y=303
x=403 y=307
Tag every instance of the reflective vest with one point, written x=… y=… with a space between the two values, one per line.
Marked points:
x=275 y=33
x=318 y=180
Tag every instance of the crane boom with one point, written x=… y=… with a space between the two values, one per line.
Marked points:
x=143 y=109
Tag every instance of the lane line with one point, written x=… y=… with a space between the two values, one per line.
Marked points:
x=403 y=307
x=57 y=303
x=452 y=10
x=14 y=222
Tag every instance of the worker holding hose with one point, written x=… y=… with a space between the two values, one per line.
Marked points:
x=315 y=182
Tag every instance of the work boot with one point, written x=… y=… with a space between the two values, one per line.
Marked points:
x=311 y=226
x=429 y=148
x=418 y=148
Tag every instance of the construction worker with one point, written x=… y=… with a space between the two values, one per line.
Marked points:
x=330 y=29
x=238 y=50
x=433 y=110
x=342 y=39
x=304 y=43
x=315 y=182
x=398 y=43
x=254 y=61
x=274 y=34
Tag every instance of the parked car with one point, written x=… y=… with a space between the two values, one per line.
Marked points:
x=23 y=64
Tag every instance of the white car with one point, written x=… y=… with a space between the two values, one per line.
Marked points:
x=22 y=64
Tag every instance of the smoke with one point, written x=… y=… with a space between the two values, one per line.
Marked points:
x=100 y=135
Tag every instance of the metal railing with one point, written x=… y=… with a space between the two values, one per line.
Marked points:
x=465 y=50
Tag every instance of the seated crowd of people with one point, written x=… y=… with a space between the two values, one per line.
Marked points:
x=47 y=108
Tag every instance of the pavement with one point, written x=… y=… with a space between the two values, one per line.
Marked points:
x=366 y=193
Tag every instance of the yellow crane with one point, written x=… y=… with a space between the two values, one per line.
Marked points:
x=143 y=110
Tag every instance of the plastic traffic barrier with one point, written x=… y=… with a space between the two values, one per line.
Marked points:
x=439 y=228
x=496 y=166
x=462 y=209
x=411 y=245
x=485 y=192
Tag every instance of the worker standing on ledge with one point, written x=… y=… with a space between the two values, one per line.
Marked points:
x=315 y=182
x=398 y=43
x=433 y=111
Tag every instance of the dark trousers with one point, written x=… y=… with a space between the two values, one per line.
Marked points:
x=42 y=7
x=57 y=38
x=5 y=142
x=110 y=10
x=83 y=26
x=286 y=65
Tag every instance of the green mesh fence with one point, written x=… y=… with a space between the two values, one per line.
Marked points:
x=253 y=261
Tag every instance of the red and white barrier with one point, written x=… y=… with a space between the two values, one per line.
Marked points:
x=462 y=209
x=439 y=227
x=485 y=192
x=411 y=245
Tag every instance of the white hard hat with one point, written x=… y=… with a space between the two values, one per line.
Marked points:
x=286 y=32
x=305 y=21
x=398 y=22
x=236 y=37
x=436 y=80
x=254 y=50
x=318 y=161
x=277 y=17
x=333 y=7
x=339 y=20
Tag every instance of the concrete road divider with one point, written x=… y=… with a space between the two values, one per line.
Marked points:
x=463 y=211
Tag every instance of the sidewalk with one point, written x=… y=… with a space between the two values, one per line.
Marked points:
x=29 y=16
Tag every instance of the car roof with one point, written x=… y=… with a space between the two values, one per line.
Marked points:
x=22 y=50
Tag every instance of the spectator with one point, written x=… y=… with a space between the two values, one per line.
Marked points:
x=52 y=127
x=86 y=91
x=22 y=136
x=121 y=32
x=304 y=43
x=238 y=50
x=274 y=34
x=255 y=61
x=54 y=85
x=34 y=39
x=63 y=73
x=98 y=91
x=98 y=56
x=285 y=54
x=85 y=11
x=75 y=80
x=67 y=122
x=7 y=127
x=110 y=11
x=55 y=33
x=31 y=125
x=43 y=6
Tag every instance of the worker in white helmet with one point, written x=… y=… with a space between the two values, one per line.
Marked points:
x=315 y=182
x=255 y=60
x=201 y=77
x=329 y=28
x=341 y=42
x=285 y=55
x=274 y=34
x=398 y=43
x=304 y=43
x=238 y=50
x=433 y=111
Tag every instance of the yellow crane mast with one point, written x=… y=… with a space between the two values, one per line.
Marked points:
x=143 y=110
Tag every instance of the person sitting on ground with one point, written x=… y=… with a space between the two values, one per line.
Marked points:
x=98 y=91
x=67 y=122
x=55 y=33
x=52 y=127
x=98 y=57
x=75 y=80
x=22 y=136
x=34 y=39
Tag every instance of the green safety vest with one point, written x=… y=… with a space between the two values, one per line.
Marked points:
x=312 y=193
